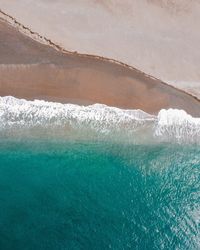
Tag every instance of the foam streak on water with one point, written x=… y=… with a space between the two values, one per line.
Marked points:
x=170 y=125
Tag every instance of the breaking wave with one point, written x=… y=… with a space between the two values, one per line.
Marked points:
x=170 y=125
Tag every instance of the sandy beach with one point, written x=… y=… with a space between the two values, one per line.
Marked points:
x=32 y=70
x=161 y=38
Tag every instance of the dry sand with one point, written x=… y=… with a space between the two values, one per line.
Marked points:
x=32 y=70
x=159 y=37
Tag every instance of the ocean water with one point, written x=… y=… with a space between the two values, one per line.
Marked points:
x=97 y=177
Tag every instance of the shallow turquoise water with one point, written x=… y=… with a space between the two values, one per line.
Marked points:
x=98 y=195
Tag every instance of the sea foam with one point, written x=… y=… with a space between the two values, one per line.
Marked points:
x=170 y=125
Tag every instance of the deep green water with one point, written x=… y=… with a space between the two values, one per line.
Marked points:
x=98 y=195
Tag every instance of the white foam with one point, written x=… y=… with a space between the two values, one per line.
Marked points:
x=177 y=125
x=169 y=125
x=15 y=111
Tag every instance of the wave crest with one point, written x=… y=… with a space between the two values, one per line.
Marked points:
x=169 y=125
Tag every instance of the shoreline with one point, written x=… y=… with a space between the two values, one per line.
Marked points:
x=24 y=118
x=63 y=76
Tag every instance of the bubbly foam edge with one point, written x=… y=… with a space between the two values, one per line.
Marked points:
x=14 y=102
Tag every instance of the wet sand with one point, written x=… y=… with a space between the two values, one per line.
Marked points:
x=32 y=70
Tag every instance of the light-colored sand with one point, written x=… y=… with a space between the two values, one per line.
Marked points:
x=159 y=37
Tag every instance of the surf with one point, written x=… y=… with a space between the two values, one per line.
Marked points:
x=170 y=125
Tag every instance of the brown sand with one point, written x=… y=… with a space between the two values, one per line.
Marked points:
x=32 y=70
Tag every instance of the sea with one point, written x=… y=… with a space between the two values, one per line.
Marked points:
x=97 y=177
